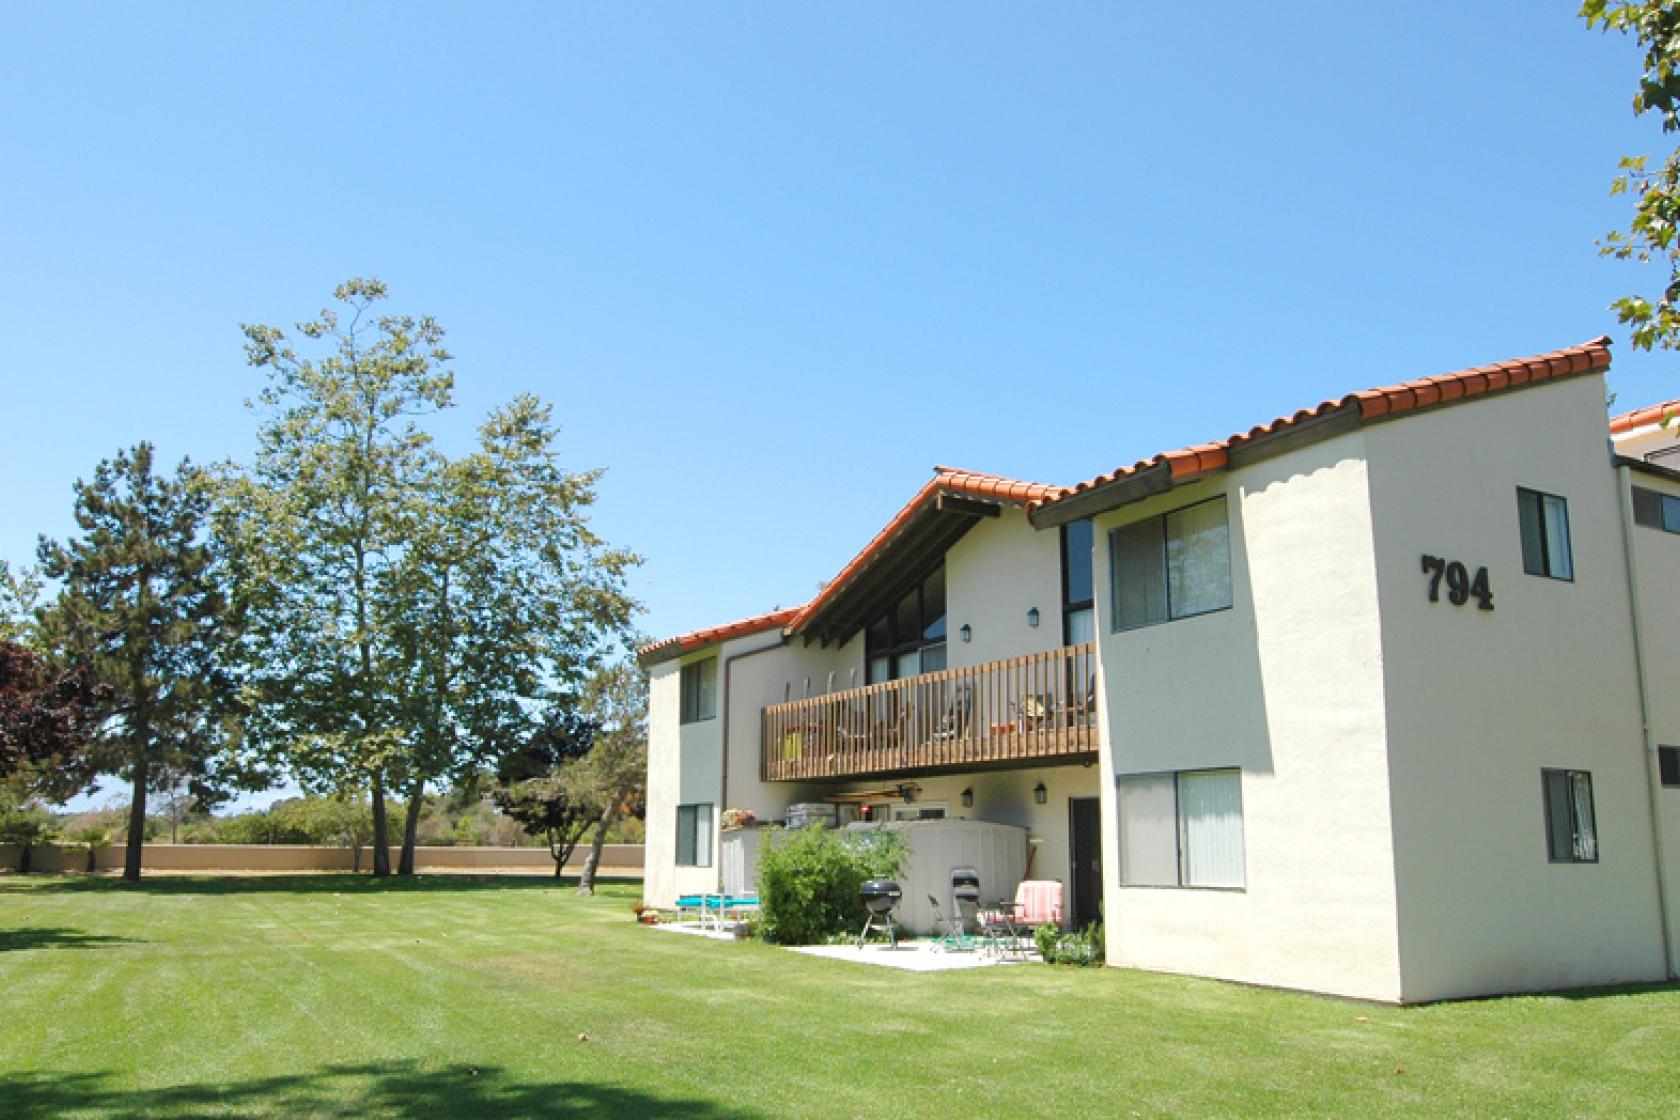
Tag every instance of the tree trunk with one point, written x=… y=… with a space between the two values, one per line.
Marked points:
x=411 y=825
x=381 y=837
x=23 y=857
x=137 y=807
x=592 y=862
x=93 y=860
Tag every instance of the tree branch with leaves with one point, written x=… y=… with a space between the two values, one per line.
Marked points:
x=1653 y=324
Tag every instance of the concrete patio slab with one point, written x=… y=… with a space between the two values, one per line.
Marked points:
x=915 y=956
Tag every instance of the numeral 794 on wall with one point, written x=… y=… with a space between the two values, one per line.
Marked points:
x=1461 y=586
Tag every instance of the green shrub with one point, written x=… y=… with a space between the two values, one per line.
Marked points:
x=1056 y=947
x=808 y=881
x=26 y=825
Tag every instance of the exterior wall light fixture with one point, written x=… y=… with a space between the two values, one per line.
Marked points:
x=968 y=798
x=966 y=633
x=1032 y=617
x=1040 y=794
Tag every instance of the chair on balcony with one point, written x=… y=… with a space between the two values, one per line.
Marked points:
x=1031 y=712
x=954 y=724
x=891 y=729
x=1078 y=708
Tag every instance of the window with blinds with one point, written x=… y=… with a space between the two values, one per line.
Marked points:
x=1182 y=829
x=1173 y=566
x=694 y=835
x=1654 y=510
x=699 y=690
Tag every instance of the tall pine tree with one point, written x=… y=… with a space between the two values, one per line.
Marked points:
x=142 y=612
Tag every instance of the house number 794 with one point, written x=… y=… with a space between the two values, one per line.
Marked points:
x=1461 y=587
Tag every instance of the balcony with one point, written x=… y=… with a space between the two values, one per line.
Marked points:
x=1040 y=709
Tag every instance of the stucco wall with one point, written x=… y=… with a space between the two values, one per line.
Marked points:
x=993 y=575
x=792 y=671
x=664 y=776
x=1286 y=685
x=686 y=762
x=1480 y=701
x=1658 y=556
x=998 y=571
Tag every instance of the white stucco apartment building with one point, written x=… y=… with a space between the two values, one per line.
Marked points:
x=1369 y=700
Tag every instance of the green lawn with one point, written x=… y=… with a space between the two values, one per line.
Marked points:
x=451 y=996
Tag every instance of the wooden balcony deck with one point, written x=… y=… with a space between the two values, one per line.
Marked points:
x=1033 y=710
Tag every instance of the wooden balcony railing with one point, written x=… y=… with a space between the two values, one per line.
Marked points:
x=1037 y=708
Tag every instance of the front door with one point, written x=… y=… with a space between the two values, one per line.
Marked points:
x=1085 y=848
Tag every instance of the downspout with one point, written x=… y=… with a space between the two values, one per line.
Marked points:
x=1652 y=772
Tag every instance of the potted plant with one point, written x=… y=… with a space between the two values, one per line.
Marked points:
x=738 y=818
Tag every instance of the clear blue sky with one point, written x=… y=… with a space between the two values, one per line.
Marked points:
x=772 y=262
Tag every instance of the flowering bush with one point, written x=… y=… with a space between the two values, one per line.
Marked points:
x=739 y=818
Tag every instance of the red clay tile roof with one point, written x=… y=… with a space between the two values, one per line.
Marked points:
x=671 y=647
x=1640 y=417
x=1390 y=400
x=945 y=480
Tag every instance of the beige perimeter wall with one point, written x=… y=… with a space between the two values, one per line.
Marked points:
x=616 y=859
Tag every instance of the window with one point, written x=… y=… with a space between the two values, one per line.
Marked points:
x=694 y=835
x=1656 y=511
x=1668 y=762
x=1571 y=834
x=1077 y=616
x=699 y=690
x=1544 y=520
x=909 y=639
x=918 y=812
x=1171 y=567
x=1182 y=830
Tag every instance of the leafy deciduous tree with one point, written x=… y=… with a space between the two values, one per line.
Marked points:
x=611 y=780
x=1652 y=233
x=532 y=789
x=47 y=714
x=505 y=600
x=322 y=522
x=412 y=618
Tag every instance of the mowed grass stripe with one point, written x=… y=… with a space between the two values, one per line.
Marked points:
x=336 y=995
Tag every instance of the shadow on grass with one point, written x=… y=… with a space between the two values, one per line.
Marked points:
x=311 y=883
x=389 y=1089
x=55 y=937
x=1644 y=988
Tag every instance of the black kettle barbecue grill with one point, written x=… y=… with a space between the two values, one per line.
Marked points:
x=881 y=896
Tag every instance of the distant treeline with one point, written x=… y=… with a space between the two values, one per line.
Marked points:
x=331 y=822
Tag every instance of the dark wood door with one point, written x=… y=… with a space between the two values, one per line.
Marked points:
x=1085 y=848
